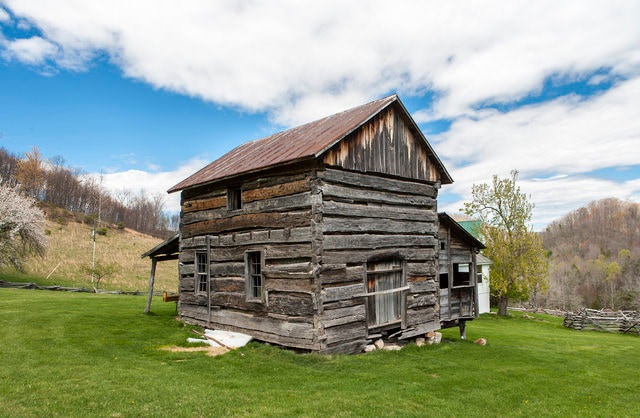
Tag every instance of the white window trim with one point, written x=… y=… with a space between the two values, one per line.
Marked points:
x=197 y=274
x=247 y=277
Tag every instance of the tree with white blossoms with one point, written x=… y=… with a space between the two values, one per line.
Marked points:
x=21 y=228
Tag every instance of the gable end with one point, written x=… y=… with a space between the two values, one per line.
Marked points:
x=388 y=144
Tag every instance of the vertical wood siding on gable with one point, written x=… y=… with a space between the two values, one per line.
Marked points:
x=384 y=145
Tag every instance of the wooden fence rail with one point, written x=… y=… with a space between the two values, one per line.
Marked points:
x=624 y=322
x=14 y=285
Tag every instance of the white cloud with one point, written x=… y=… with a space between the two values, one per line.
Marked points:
x=33 y=51
x=301 y=60
x=554 y=197
x=555 y=145
x=152 y=182
x=4 y=16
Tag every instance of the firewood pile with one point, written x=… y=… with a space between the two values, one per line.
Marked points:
x=624 y=322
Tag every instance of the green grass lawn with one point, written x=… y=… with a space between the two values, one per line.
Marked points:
x=86 y=354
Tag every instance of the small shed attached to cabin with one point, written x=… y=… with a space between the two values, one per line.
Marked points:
x=458 y=273
x=320 y=237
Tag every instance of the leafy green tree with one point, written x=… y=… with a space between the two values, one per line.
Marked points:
x=100 y=272
x=520 y=263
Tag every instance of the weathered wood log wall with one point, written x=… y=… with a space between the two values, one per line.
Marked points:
x=461 y=252
x=455 y=303
x=366 y=217
x=275 y=218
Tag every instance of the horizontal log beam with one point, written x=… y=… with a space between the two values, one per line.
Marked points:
x=377 y=182
x=362 y=195
x=370 y=241
x=248 y=221
x=376 y=225
x=277 y=190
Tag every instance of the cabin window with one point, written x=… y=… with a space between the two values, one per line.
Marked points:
x=479 y=273
x=202 y=272
x=234 y=198
x=461 y=274
x=444 y=280
x=253 y=271
x=386 y=286
x=443 y=244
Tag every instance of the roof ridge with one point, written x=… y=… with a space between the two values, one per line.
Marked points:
x=318 y=120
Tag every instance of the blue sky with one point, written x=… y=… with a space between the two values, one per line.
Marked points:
x=99 y=120
x=148 y=93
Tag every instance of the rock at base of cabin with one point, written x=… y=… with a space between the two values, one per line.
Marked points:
x=436 y=339
x=392 y=347
x=379 y=344
x=481 y=341
x=430 y=334
x=369 y=348
x=420 y=341
x=525 y=316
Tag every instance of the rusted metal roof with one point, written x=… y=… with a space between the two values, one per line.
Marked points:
x=302 y=142
x=166 y=248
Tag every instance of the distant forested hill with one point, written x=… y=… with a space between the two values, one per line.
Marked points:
x=65 y=192
x=595 y=253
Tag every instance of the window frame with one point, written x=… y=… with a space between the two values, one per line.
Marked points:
x=248 y=276
x=198 y=274
x=403 y=289
x=234 y=196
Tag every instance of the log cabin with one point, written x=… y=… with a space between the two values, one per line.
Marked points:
x=322 y=237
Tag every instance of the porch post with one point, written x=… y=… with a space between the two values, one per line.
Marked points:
x=151 y=280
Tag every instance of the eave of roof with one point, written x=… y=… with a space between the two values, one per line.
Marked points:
x=300 y=143
x=466 y=235
x=166 y=247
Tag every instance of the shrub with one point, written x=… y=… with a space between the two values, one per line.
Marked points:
x=100 y=271
x=120 y=226
x=90 y=219
x=47 y=232
x=101 y=231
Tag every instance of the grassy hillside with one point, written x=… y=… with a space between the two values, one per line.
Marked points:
x=86 y=354
x=70 y=248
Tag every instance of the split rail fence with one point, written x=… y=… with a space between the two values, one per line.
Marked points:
x=624 y=322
